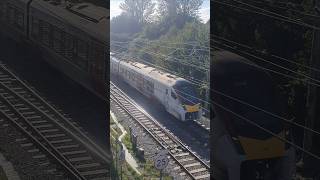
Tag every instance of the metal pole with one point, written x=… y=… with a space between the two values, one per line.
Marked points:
x=116 y=158
x=161 y=174
x=313 y=98
x=121 y=171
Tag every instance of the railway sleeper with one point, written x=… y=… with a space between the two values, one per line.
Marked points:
x=203 y=176
x=27 y=113
x=91 y=168
x=89 y=165
x=38 y=121
x=61 y=141
x=39 y=156
x=182 y=155
x=18 y=105
x=23 y=109
x=187 y=159
x=74 y=152
x=21 y=139
x=48 y=131
x=54 y=135
x=33 y=117
x=34 y=150
x=190 y=168
x=95 y=173
x=39 y=127
x=81 y=160
x=65 y=148
x=200 y=170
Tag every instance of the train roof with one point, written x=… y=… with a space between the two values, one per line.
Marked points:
x=88 y=17
x=163 y=77
x=226 y=63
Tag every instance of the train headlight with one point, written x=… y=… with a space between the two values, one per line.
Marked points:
x=194 y=108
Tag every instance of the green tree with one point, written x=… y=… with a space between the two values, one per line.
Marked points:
x=141 y=10
x=186 y=8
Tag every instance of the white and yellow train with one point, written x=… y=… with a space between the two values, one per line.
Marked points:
x=176 y=94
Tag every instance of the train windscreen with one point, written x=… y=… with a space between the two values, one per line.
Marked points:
x=186 y=92
x=260 y=94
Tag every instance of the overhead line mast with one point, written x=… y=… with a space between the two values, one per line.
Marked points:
x=313 y=98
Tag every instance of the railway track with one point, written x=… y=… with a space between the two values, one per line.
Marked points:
x=189 y=162
x=48 y=134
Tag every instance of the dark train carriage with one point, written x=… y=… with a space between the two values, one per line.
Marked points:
x=241 y=149
x=14 y=18
x=74 y=39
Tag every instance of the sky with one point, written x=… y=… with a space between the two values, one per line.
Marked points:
x=204 y=11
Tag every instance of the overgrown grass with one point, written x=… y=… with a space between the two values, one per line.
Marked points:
x=2 y=174
x=147 y=169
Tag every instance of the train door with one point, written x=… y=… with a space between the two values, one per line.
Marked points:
x=166 y=99
x=139 y=82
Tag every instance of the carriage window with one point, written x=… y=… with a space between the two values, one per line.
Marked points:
x=35 y=28
x=173 y=95
x=19 y=16
x=68 y=46
x=57 y=40
x=82 y=48
x=2 y=6
x=97 y=55
x=166 y=91
x=45 y=33
x=10 y=15
x=148 y=86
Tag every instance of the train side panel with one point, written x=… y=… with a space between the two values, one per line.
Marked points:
x=67 y=48
x=150 y=87
x=14 y=19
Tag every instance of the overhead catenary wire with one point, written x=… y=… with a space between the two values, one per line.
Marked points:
x=285 y=69
x=206 y=102
x=267 y=69
x=271 y=55
x=268 y=15
x=286 y=7
x=279 y=66
x=252 y=106
x=279 y=73
x=178 y=59
x=196 y=82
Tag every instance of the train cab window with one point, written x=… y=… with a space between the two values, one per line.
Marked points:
x=35 y=28
x=173 y=95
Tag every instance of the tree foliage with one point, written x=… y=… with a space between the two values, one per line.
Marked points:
x=177 y=41
x=140 y=10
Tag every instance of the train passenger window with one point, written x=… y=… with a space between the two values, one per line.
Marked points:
x=82 y=49
x=173 y=95
x=97 y=56
x=19 y=22
x=58 y=40
x=35 y=28
x=68 y=46
x=166 y=91
x=45 y=33
x=1 y=10
x=10 y=15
